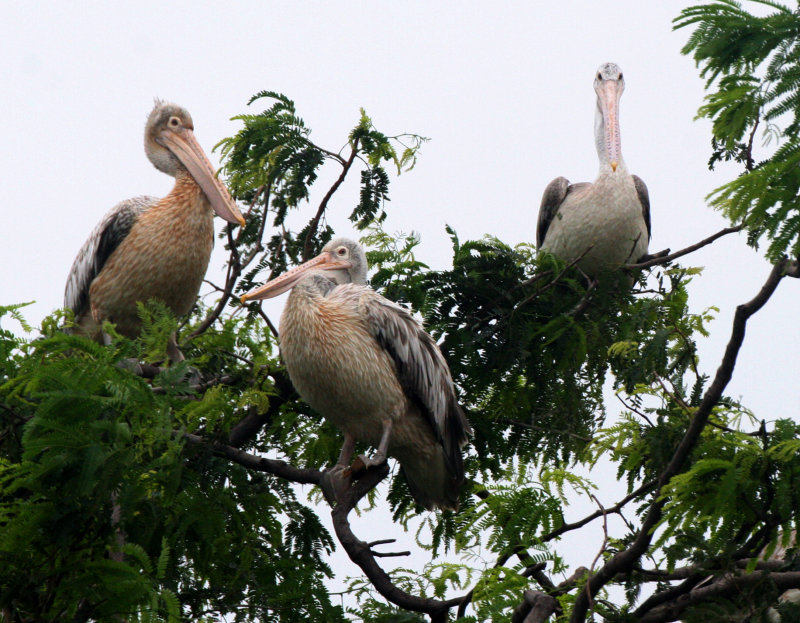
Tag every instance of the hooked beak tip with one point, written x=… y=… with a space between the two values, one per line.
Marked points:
x=614 y=166
x=243 y=299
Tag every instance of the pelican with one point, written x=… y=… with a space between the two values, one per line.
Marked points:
x=148 y=248
x=605 y=224
x=366 y=365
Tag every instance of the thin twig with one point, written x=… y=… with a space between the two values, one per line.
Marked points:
x=668 y=258
x=314 y=223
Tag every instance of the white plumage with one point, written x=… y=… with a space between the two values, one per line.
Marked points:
x=606 y=223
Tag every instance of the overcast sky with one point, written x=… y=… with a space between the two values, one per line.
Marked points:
x=502 y=89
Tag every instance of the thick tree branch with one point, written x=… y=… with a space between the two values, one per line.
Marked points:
x=308 y=476
x=725 y=587
x=625 y=560
x=362 y=555
x=535 y=608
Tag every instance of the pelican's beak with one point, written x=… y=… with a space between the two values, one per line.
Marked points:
x=324 y=261
x=184 y=145
x=609 y=93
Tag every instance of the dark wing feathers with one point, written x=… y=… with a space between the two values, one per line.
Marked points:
x=422 y=372
x=104 y=239
x=552 y=198
x=644 y=199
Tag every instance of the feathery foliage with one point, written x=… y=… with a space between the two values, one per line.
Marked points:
x=752 y=68
x=135 y=490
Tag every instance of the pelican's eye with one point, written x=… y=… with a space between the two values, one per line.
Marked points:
x=174 y=122
x=599 y=76
x=341 y=251
x=620 y=77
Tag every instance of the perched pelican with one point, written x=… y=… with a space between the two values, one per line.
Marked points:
x=146 y=247
x=607 y=223
x=366 y=364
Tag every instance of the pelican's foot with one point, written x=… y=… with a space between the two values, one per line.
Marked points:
x=335 y=482
x=363 y=463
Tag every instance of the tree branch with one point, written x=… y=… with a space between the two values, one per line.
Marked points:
x=314 y=223
x=664 y=259
x=535 y=608
x=307 y=476
x=725 y=587
x=362 y=555
x=623 y=561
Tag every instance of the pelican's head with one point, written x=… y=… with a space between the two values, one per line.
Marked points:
x=172 y=148
x=341 y=261
x=609 y=85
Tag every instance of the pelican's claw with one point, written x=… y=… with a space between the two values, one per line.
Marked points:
x=334 y=482
x=363 y=463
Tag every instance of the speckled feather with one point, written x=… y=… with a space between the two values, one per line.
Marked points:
x=164 y=256
x=147 y=248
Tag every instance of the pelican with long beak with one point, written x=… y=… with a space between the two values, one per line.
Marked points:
x=605 y=224
x=148 y=248
x=366 y=365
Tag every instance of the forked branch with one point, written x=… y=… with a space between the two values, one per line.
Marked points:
x=624 y=561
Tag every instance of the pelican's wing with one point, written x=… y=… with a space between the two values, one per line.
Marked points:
x=105 y=237
x=644 y=199
x=421 y=370
x=552 y=198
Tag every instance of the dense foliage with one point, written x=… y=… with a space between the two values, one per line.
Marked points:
x=135 y=490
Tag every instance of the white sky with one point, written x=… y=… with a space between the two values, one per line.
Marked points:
x=503 y=89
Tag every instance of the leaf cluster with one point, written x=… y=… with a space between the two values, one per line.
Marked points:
x=752 y=68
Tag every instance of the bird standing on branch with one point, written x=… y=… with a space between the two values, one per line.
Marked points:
x=148 y=248
x=367 y=365
x=605 y=224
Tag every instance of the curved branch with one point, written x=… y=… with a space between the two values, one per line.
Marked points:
x=535 y=608
x=312 y=229
x=625 y=560
x=362 y=555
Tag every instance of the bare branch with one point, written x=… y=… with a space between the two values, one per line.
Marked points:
x=599 y=513
x=312 y=229
x=307 y=476
x=535 y=608
x=658 y=258
x=361 y=554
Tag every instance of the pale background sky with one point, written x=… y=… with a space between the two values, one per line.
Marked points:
x=503 y=89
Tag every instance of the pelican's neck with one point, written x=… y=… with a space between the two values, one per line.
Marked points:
x=314 y=285
x=187 y=196
x=605 y=141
